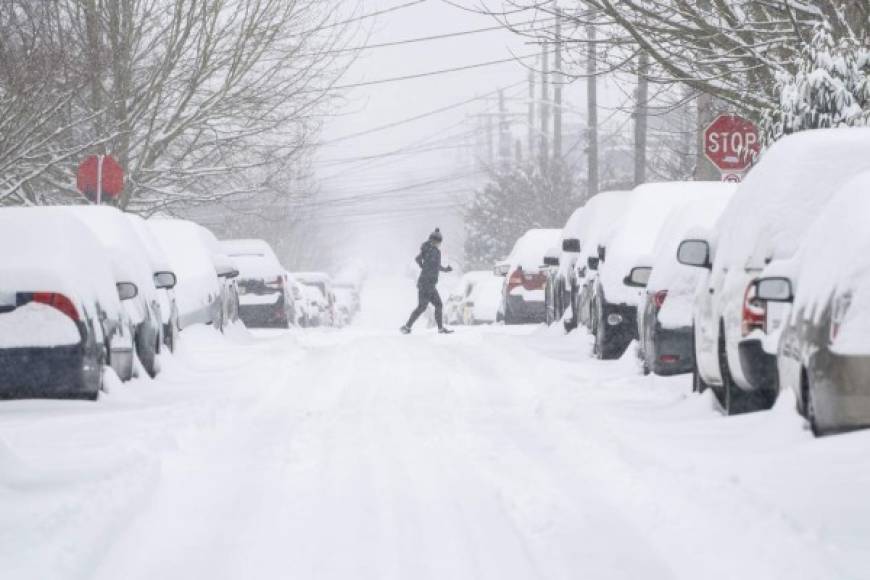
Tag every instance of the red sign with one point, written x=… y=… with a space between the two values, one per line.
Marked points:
x=731 y=143
x=96 y=169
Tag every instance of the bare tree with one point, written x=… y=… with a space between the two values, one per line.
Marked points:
x=198 y=99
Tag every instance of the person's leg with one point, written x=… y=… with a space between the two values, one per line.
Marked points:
x=435 y=299
x=422 y=304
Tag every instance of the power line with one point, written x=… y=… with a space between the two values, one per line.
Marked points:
x=420 y=116
x=424 y=74
x=372 y=14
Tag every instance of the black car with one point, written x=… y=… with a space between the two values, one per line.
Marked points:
x=60 y=313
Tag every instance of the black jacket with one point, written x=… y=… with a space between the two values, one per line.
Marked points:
x=429 y=261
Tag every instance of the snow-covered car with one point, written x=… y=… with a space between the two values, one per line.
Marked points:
x=129 y=258
x=457 y=309
x=61 y=318
x=523 y=298
x=265 y=296
x=347 y=301
x=600 y=218
x=315 y=306
x=205 y=289
x=323 y=283
x=164 y=279
x=617 y=295
x=665 y=312
x=483 y=304
x=824 y=346
x=560 y=274
x=763 y=223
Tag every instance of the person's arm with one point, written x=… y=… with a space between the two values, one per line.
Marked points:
x=419 y=259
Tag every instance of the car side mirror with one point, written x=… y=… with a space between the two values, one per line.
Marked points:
x=695 y=253
x=593 y=263
x=571 y=245
x=165 y=280
x=774 y=290
x=638 y=277
x=127 y=290
x=551 y=261
x=501 y=270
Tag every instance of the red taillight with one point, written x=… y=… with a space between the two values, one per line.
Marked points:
x=669 y=359
x=754 y=312
x=58 y=301
x=659 y=298
x=516 y=279
x=276 y=283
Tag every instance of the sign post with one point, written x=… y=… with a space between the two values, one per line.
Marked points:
x=100 y=176
x=732 y=144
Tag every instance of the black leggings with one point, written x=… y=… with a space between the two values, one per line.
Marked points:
x=425 y=297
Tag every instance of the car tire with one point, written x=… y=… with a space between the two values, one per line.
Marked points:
x=809 y=406
x=733 y=399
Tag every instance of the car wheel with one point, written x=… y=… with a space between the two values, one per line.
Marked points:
x=734 y=400
x=809 y=405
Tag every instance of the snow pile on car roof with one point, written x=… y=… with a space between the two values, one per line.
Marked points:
x=834 y=261
x=600 y=218
x=47 y=250
x=668 y=274
x=529 y=250
x=639 y=227
x=785 y=192
x=253 y=258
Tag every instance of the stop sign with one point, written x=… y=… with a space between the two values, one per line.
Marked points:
x=90 y=172
x=731 y=143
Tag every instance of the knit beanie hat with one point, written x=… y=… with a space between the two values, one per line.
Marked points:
x=436 y=236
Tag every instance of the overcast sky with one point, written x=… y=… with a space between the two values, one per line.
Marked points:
x=389 y=229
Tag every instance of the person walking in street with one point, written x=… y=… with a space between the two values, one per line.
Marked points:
x=429 y=261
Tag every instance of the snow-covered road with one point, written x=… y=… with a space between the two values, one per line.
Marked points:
x=495 y=453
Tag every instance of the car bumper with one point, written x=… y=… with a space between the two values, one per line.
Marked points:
x=758 y=366
x=673 y=351
x=57 y=372
x=518 y=309
x=263 y=316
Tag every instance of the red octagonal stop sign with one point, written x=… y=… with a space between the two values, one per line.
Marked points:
x=731 y=143
x=100 y=166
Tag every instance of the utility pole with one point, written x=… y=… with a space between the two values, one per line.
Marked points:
x=641 y=118
x=531 y=119
x=557 y=96
x=518 y=156
x=504 y=136
x=592 y=111
x=490 y=144
x=545 y=111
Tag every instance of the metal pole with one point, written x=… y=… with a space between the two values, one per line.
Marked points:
x=100 y=179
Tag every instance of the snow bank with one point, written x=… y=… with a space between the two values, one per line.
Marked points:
x=668 y=274
x=639 y=227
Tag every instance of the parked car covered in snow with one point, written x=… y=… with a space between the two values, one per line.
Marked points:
x=265 y=295
x=205 y=291
x=164 y=279
x=665 y=312
x=601 y=216
x=561 y=273
x=482 y=305
x=618 y=291
x=824 y=346
x=129 y=258
x=322 y=282
x=61 y=319
x=763 y=223
x=523 y=299
x=457 y=309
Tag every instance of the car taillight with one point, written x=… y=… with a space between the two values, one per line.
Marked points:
x=754 y=311
x=57 y=301
x=838 y=314
x=659 y=298
x=516 y=279
x=276 y=283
